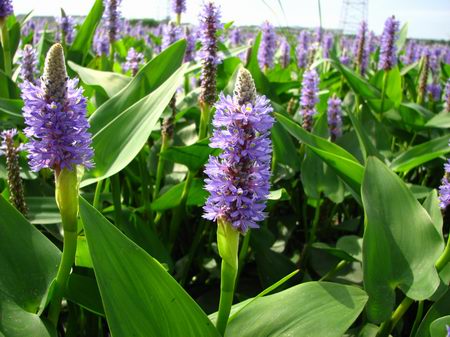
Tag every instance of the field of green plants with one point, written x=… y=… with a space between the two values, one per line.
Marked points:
x=165 y=179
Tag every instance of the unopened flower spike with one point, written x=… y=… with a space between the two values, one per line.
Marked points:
x=11 y=151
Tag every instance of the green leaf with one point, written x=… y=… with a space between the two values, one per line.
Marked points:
x=284 y=151
x=343 y=163
x=400 y=243
x=193 y=156
x=136 y=289
x=83 y=40
x=327 y=309
x=394 y=88
x=28 y=265
x=12 y=107
x=83 y=290
x=110 y=82
x=400 y=43
x=438 y=309
x=439 y=326
x=43 y=210
x=171 y=198
x=420 y=154
x=440 y=121
x=120 y=141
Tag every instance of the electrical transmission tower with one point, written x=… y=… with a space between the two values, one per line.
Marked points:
x=352 y=13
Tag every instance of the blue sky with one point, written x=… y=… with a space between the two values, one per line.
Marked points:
x=426 y=18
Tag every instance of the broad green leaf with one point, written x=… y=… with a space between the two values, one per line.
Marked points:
x=83 y=40
x=411 y=114
x=431 y=205
x=400 y=43
x=12 y=107
x=326 y=309
x=193 y=156
x=441 y=121
x=401 y=244
x=139 y=297
x=439 y=326
x=171 y=198
x=439 y=309
x=83 y=290
x=284 y=151
x=420 y=154
x=110 y=82
x=43 y=210
x=343 y=163
x=394 y=88
x=28 y=265
x=120 y=141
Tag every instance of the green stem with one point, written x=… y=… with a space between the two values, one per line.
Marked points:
x=145 y=187
x=98 y=192
x=341 y=265
x=383 y=90
x=444 y=258
x=243 y=255
x=204 y=120
x=386 y=327
x=178 y=19
x=111 y=56
x=195 y=243
x=312 y=236
x=160 y=166
x=418 y=318
x=6 y=48
x=115 y=190
x=68 y=258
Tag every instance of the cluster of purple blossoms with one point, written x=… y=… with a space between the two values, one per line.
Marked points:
x=171 y=34
x=268 y=46
x=238 y=180
x=444 y=189
x=209 y=25
x=327 y=45
x=302 y=49
x=236 y=37
x=388 y=50
x=334 y=114
x=112 y=16
x=179 y=6
x=66 y=26
x=447 y=96
x=410 y=53
x=309 y=97
x=6 y=8
x=190 y=37
x=133 y=61
x=101 y=43
x=285 y=53
x=361 y=48
x=372 y=42
x=28 y=64
x=434 y=91
x=55 y=115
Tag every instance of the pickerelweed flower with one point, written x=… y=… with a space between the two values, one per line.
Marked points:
x=171 y=34
x=236 y=37
x=388 y=50
x=28 y=27
x=112 y=16
x=6 y=9
x=334 y=114
x=327 y=45
x=28 y=64
x=189 y=54
x=268 y=46
x=309 y=98
x=55 y=115
x=285 y=58
x=361 y=50
x=444 y=189
x=209 y=25
x=434 y=91
x=101 y=43
x=134 y=61
x=179 y=6
x=238 y=180
x=11 y=151
x=410 y=53
x=66 y=26
x=423 y=78
x=302 y=49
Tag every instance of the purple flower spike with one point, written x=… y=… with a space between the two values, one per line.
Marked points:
x=235 y=37
x=267 y=47
x=112 y=16
x=434 y=91
x=55 y=115
x=309 y=97
x=171 y=34
x=334 y=114
x=6 y=8
x=444 y=189
x=238 y=180
x=447 y=96
x=285 y=53
x=388 y=50
x=179 y=6
x=134 y=61
x=327 y=45
x=302 y=49
x=66 y=24
x=28 y=64
x=361 y=48
x=209 y=25
x=101 y=43
x=189 y=55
